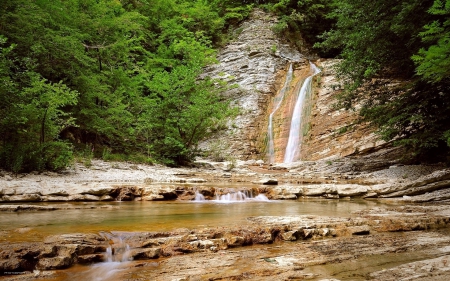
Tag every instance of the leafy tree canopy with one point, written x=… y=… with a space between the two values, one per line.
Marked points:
x=120 y=75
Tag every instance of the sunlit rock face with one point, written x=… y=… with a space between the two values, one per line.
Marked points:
x=253 y=64
x=333 y=133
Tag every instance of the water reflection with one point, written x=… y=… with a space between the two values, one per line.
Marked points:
x=162 y=216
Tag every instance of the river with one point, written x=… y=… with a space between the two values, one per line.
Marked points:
x=158 y=216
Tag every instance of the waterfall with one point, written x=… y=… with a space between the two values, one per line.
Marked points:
x=277 y=102
x=295 y=134
x=117 y=259
x=199 y=197
x=233 y=197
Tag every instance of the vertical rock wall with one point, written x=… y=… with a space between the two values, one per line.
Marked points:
x=334 y=133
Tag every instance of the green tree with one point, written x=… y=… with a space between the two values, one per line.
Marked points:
x=377 y=40
x=180 y=112
x=32 y=118
x=433 y=61
x=93 y=72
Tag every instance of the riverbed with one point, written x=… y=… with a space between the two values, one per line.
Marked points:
x=88 y=217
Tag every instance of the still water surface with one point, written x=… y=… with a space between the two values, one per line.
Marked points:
x=159 y=216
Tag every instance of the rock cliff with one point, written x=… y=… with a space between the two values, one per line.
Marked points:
x=255 y=66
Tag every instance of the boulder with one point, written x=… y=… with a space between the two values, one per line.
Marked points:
x=319 y=189
x=205 y=244
x=267 y=181
x=58 y=262
x=351 y=190
x=235 y=241
x=145 y=253
x=93 y=258
x=289 y=236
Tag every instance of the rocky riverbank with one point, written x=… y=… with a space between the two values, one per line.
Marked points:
x=277 y=247
x=291 y=247
x=337 y=179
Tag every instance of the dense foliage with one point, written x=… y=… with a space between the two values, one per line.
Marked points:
x=402 y=43
x=109 y=75
x=122 y=76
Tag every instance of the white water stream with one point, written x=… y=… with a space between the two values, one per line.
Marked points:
x=295 y=135
x=277 y=102
x=232 y=197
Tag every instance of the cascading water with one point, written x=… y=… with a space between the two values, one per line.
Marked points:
x=116 y=260
x=232 y=197
x=277 y=102
x=294 y=142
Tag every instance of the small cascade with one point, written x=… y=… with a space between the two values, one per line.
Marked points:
x=295 y=135
x=199 y=197
x=277 y=102
x=240 y=196
x=233 y=197
x=117 y=258
x=120 y=253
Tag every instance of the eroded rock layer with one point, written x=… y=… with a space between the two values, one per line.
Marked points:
x=334 y=132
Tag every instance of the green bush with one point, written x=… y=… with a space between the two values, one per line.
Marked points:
x=57 y=155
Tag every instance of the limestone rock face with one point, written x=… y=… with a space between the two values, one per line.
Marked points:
x=333 y=133
x=253 y=63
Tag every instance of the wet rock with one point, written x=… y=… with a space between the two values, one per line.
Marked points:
x=85 y=249
x=251 y=64
x=285 y=192
x=428 y=269
x=263 y=238
x=147 y=253
x=152 y=197
x=267 y=181
x=289 y=236
x=76 y=239
x=284 y=197
x=220 y=243
x=318 y=190
x=154 y=242
x=88 y=259
x=106 y=197
x=206 y=244
x=14 y=264
x=195 y=180
x=351 y=190
x=55 y=198
x=235 y=241
x=126 y=192
x=25 y=198
x=308 y=233
x=359 y=230
x=49 y=251
x=58 y=262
